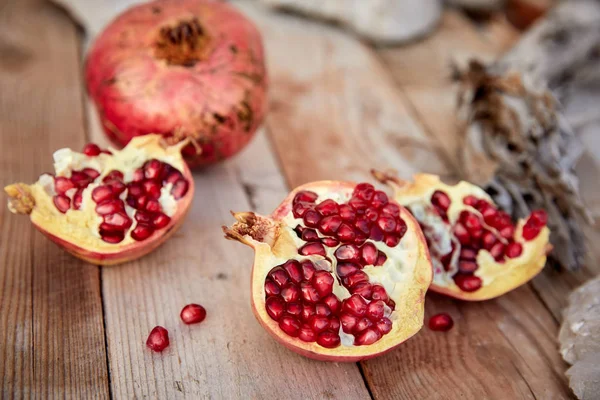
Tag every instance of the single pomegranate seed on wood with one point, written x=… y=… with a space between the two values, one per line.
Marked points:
x=141 y=232
x=179 y=189
x=328 y=339
x=62 y=203
x=441 y=322
x=275 y=307
x=193 y=314
x=158 y=340
x=91 y=150
x=311 y=249
x=467 y=283
x=513 y=250
x=305 y=196
x=440 y=199
x=62 y=184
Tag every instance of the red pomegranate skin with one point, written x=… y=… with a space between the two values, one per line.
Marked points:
x=143 y=77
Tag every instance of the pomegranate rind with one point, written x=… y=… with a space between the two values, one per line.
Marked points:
x=218 y=101
x=498 y=278
x=73 y=230
x=275 y=246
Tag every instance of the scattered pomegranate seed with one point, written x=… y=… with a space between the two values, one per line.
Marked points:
x=193 y=314
x=158 y=340
x=441 y=322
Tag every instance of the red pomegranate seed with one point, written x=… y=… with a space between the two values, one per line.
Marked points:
x=308 y=269
x=368 y=254
x=119 y=220
x=312 y=248
x=290 y=293
x=346 y=269
x=467 y=253
x=322 y=281
x=143 y=217
x=112 y=236
x=333 y=303
x=488 y=240
x=135 y=189
x=141 y=232
x=309 y=235
x=334 y=324
x=293 y=270
x=294 y=309
x=470 y=200
x=153 y=169
x=62 y=184
x=193 y=314
x=101 y=193
x=138 y=175
x=299 y=209
x=318 y=323
x=375 y=310
x=539 y=217
x=279 y=276
x=440 y=199
x=327 y=207
x=309 y=293
x=328 y=339
x=91 y=173
x=379 y=293
x=347 y=252
x=490 y=215
x=91 y=150
x=371 y=214
x=363 y=289
x=376 y=234
x=467 y=266
x=308 y=310
x=358 y=204
x=467 y=283
x=391 y=240
x=364 y=191
x=306 y=334
x=384 y=325
x=381 y=258
x=109 y=207
x=77 y=199
x=305 y=196
x=349 y=322
x=345 y=233
x=347 y=213
x=271 y=288
x=497 y=251
x=507 y=232
x=160 y=220
x=355 y=305
x=113 y=175
x=152 y=206
x=152 y=189
x=158 y=340
x=62 y=203
x=401 y=228
x=513 y=250
x=358 y=276
x=441 y=322
x=363 y=225
x=323 y=310
x=363 y=324
x=391 y=209
x=275 y=307
x=379 y=200
x=462 y=234
x=330 y=242
x=471 y=221
x=179 y=189
x=80 y=179
x=530 y=231
x=311 y=218
x=290 y=325
x=367 y=337
x=386 y=224
x=360 y=239
x=329 y=225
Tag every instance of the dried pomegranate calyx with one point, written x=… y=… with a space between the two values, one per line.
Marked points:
x=477 y=251
x=108 y=206
x=340 y=271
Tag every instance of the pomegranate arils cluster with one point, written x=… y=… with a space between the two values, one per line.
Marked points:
x=142 y=194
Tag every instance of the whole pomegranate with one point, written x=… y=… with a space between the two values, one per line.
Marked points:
x=340 y=271
x=183 y=69
x=107 y=207
x=478 y=253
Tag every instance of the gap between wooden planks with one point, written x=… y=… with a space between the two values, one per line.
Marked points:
x=335 y=113
x=51 y=335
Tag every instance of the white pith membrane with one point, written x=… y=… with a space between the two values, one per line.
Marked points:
x=80 y=227
x=497 y=277
x=405 y=274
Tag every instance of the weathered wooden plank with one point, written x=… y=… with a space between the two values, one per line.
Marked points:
x=51 y=330
x=335 y=115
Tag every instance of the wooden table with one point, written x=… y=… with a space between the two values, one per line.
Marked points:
x=338 y=107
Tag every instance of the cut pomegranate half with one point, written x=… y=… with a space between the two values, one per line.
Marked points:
x=478 y=253
x=108 y=207
x=340 y=271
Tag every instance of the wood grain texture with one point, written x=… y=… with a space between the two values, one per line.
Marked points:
x=51 y=330
x=229 y=355
x=314 y=107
